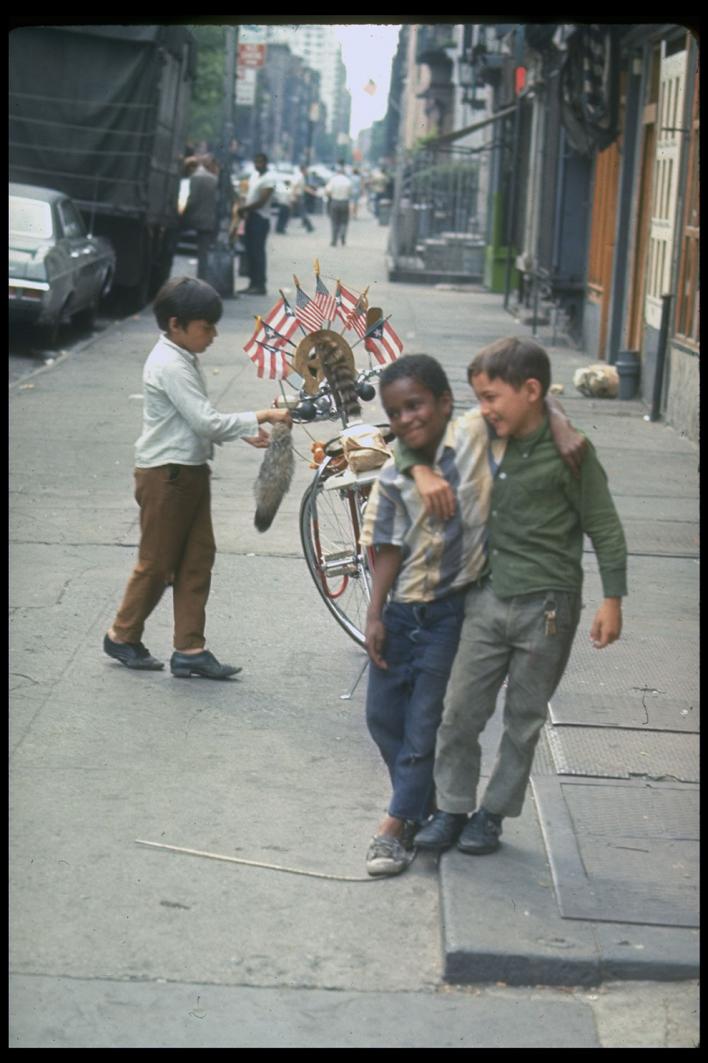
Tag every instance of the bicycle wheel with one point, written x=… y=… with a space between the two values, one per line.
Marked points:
x=330 y=522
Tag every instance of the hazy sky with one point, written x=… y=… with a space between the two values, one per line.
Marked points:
x=367 y=52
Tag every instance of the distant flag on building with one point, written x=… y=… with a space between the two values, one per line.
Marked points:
x=307 y=311
x=325 y=300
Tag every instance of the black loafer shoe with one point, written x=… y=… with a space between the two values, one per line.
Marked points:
x=132 y=655
x=204 y=665
x=441 y=831
x=481 y=835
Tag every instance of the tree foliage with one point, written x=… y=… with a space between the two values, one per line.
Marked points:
x=207 y=109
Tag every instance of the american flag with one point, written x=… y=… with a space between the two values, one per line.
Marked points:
x=325 y=300
x=357 y=318
x=270 y=361
x=307 y=311
x=382 y=342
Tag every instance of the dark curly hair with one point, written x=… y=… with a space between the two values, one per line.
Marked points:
x=423 y=368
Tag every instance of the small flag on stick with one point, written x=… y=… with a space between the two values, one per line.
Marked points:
x=357 y=317
x=307 y=311
x=345 y=301
x=270 y=361
x=324 y=299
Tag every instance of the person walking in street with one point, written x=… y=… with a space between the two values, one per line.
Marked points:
x=426 y=564
x=356 y=192
x=522 y=613
x=172 y=484
x=298 y=195
x=338 y=191
x=201 y=209
x=256 y=212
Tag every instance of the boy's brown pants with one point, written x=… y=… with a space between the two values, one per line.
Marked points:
x=176 y=547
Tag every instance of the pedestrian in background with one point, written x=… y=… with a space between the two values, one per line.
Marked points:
x=522 y=614
x=256 y=212
x=172 y=484
x=356 y=192
x=201 y=210
x=338 y=191
x=298 y=198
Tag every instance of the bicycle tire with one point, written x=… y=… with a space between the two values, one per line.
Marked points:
x=339 y=569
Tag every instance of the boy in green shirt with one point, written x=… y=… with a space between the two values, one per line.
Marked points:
x=520 y=619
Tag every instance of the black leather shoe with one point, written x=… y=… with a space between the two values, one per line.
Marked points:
x=132 y=655
x=253 y=291
x=204 y=665
x=481 y=835
x=441 y=831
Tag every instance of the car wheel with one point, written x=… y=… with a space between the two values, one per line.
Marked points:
x=86 y=318
x=50 y=334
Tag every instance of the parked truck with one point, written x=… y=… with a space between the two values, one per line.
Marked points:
x=99 y=112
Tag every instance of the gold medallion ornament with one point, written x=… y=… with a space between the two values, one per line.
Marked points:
x=307 y=360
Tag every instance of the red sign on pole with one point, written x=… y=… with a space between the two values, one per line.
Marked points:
x=251 y=55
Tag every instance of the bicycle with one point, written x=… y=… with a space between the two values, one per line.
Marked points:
x=332 y=512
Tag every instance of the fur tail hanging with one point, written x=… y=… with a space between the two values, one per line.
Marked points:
x=274 y=476
x=340 y=378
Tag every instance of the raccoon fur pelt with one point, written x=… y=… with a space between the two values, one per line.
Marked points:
x=340 y=379
x=274 y=476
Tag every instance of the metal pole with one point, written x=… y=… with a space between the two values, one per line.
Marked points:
x=661 y=357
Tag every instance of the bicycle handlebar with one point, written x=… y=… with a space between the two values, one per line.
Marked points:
x=322 y=407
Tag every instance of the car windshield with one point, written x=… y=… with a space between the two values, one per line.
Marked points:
x=30 y=217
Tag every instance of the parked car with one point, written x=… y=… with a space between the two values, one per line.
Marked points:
x=56 y=270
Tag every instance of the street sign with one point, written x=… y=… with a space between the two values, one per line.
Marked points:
x=251 y=55
x=245 y=85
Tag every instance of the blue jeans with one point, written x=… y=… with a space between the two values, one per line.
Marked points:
x=257 y=229
x=404 y=703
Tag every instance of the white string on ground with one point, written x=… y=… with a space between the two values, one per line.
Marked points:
x=255 y=863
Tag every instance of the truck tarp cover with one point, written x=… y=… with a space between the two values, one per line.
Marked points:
x=83 y=110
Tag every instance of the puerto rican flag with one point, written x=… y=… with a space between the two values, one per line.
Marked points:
x=325 y=300
x=308 y=311
x=276 y=328
x=357 y=317
x=383 y=342
x=270 y=361
x=345 y=302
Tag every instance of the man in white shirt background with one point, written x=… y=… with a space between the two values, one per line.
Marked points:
x=256 y=211
x=338 y=191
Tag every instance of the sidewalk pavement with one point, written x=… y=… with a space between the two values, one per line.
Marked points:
x=595 y=882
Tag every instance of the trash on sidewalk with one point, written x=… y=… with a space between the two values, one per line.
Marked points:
x=599 y=381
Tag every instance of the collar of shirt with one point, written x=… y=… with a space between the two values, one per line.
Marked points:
x=190 y=355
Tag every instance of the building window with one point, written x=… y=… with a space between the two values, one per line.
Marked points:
x=687 y=301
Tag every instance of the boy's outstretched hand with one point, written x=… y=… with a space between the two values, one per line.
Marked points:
x=607 y=625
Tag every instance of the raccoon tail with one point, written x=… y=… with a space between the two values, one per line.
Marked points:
x=274 y=476
x=340 y=378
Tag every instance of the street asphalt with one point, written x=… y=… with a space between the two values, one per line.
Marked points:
x=580 y=932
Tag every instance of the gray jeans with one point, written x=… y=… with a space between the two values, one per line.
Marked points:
x=501 y=637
